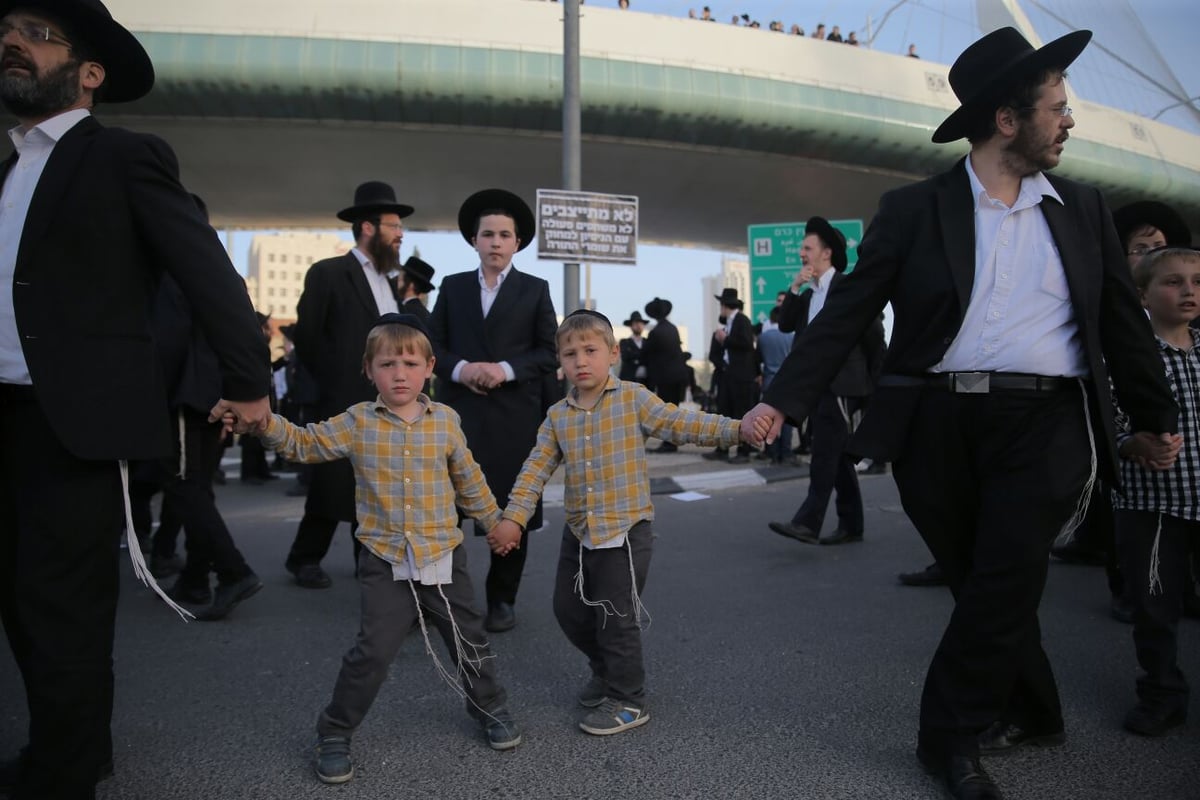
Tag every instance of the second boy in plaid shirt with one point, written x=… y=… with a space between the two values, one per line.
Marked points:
x=599 y=432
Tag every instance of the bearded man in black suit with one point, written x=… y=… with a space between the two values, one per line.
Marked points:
x=493 y=335
x=1013 y=306
x=90 y=219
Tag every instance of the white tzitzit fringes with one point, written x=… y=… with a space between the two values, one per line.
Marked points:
x=1081 y=507
x=437 y=662
x=605 y=605
x=1155 y=582
x=135 y=549
x=182 y=447
x=639 y=610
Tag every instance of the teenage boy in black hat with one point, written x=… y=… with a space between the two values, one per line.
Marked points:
x=342 y=298
x=415 y=281
x=824 y=260
x=493 y=332
x=1014 y=305
x=89 y=221
x=633 y=363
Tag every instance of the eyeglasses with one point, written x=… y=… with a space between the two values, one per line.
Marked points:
x=33 y=33
x=1142 y=249
x=1058 y=111
x=396 y=226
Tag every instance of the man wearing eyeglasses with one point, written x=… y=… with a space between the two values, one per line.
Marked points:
x=90 y=219
x=1013 y=306
x=343 y=297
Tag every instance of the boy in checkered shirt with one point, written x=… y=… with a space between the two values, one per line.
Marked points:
x=412 y=469
x=599 y=432
x=1157 y=509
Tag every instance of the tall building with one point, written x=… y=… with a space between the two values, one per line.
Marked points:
x=735 y=273
x=277 y=265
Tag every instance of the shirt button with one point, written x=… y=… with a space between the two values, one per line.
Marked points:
x=947 y=340
x=407 y=507
x=407 y=453
x=589 y=489
x=408 y=480
x=996 y=314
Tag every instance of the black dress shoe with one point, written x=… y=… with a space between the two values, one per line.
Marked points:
x=500 y=618
x=841 y=537
x=665 y=447
x=311 y=576
x=792 y=531
x=1154 y=719
x=930 y=576
x=1121 y=609
x=228 y=596
x=963 y=776
x=739 y=458
x=1074 y=553
x=188 y=595
x=715 y=455
x=1001 y=739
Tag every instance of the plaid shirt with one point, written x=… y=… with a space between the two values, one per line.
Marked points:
x=607 y=487
x=1176 y=491
x=408 y=477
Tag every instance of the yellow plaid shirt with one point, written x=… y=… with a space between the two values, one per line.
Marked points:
x=408 y=477
x=604 y=448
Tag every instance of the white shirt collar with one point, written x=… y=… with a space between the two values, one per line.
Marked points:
x=1033 y=188
x=54 y=128
x=825 y=279
x=499 y=279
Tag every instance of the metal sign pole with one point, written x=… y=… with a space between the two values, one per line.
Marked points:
x=572 y=157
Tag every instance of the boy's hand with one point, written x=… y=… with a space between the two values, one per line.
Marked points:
x=1153 y=451
x=505 y=537
x=761 y=423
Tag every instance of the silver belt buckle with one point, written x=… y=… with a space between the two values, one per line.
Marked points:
x=971 y=383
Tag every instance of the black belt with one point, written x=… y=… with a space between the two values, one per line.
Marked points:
x=13 y=393
x=981 y=382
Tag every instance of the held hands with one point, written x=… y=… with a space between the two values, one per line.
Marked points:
x=249 y=416
x=480 y=376
x=761 y=425
x=505 y=537
x=1153 y=451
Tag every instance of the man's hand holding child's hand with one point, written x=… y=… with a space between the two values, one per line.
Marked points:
x=505 y=537
x=755 y=430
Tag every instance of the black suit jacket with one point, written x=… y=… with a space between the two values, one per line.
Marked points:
x=739 y=348
x=632 y=357
x=501 y=426
x=858 y=374
x=919 y=254
x=663 y=353
x=108 y=218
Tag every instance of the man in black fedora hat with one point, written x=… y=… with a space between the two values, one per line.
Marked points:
x=90 y=219
x=414 y=282
x=738 y=389
x=493 y=334
x=1013 y=306
x=633 y=364
x=342 y=299
x=666 y=370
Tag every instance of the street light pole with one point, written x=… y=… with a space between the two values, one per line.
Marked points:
x=571 y=127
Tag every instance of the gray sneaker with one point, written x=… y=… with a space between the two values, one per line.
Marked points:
x=594 y=693
x=501 y=729
x=614 y=716
x=333 y=759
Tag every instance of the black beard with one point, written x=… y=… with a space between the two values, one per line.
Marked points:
x=382 y=255
x=41 y=95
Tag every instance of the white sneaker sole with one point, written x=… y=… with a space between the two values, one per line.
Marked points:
x=641 y=720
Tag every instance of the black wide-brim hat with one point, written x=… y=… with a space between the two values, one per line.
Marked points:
x=372 y=199
x=487 y=200
x=420 y=273
x=728 y=298
x=993 y=66
x=658 y=308
x=1130 y=218
x=128 y=71
x=636 y=316
x=834 y=239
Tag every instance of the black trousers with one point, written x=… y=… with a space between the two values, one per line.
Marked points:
x=735 y=399
x=504 y=572
x=1156 y=614
x=989 y=480
x=830 y=469
x=191 y=499
x=60 y=529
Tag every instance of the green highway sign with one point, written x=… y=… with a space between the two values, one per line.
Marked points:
x=775 y=258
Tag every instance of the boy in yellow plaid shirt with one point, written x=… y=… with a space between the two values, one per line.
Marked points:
x=599 y=432
x=411 y=469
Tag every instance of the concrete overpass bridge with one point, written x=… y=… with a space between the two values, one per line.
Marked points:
x=278 y=110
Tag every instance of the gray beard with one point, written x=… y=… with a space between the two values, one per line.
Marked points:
x=41 y=95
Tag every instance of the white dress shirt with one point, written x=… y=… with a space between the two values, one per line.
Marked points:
x=380 y=285
x=820 y=291
x=1019 y=318
x=34 y=147
x=487 y=296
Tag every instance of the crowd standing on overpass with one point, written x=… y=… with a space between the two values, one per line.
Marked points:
x=1022 y=365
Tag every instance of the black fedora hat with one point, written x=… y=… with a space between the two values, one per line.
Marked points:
x=994 y=65
x=834 y=239
x=486 y=200
x=128 y=71
x=420 y=273
x=658 y=308
x=636 y=316
x=1128 y=219
x=728 y=298
x=372 y=199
